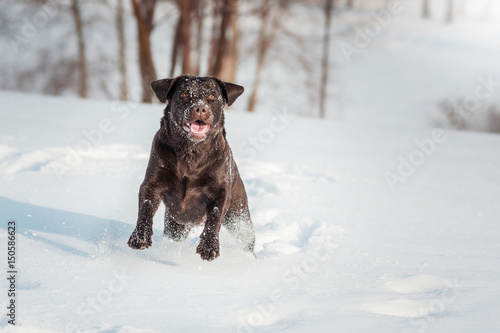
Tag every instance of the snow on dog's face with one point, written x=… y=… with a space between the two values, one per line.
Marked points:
x=196 y=104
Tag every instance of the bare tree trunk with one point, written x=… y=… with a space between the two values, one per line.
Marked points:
x=200 y=17
x=185 y=7
x=175 y=47
x=324 y=62
x=227 y=13
x=426 y=13
x=230 y=60
x=213 y=36
x=82 y=59
x=450 y=12
x=122 y=63
x=264 y=43
x=144 y=12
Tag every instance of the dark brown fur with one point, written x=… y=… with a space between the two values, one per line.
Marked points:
x=194 y=174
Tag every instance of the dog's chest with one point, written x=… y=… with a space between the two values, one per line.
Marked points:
x=191 y=164
x=195 y=182
x=187 y=201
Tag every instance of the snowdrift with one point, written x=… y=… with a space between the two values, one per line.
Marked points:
x=337 y=247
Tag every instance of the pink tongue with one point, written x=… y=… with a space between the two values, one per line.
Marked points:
x=198 y=127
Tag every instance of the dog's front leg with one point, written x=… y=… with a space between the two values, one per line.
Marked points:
x=209 y=238
x=149 y=201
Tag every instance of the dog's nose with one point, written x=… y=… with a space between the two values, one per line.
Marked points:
x=200 y=110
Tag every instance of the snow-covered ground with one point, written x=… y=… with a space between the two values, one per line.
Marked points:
x=337 y=248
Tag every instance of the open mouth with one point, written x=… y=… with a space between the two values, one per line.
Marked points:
x=197 y=128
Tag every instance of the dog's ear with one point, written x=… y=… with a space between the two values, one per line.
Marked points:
x=230 y=90
x=162 y=88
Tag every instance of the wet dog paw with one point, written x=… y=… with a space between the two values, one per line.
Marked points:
x=208 y=249
x=140 y=240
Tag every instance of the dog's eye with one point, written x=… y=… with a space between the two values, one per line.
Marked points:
x=211 y=97
x=184 y=94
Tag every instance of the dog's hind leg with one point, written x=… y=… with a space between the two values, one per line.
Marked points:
x=237 y=219
x=174 y=230
x=240 y=226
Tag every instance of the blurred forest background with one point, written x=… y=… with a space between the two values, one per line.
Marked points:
x=280 y=50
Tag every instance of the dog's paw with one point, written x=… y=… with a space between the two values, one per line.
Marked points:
x=208 y=248
x=140 y=240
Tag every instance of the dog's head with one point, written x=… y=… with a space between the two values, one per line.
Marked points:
x=196 y=104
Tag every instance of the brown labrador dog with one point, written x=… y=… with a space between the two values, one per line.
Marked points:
x=191 y=168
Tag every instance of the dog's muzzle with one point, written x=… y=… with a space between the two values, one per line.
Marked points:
x=199 y=124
